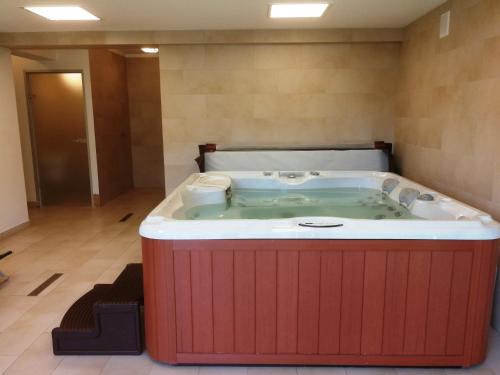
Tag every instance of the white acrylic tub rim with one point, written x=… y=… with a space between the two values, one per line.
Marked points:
x=446 y=218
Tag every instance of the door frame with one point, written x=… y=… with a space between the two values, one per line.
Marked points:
x=31 y=121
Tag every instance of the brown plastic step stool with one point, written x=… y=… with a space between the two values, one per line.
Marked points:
x=105 y=320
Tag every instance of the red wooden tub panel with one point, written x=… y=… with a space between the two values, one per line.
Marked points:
x=343 y=302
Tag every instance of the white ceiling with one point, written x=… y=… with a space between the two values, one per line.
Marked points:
x=211 y=14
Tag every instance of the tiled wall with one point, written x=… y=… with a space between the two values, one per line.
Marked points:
x=108 y=76
x=274 y=94
x=448 y=130
x=13 y=210
x=143 y=78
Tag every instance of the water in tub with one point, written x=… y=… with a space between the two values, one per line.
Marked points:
x=355 y=203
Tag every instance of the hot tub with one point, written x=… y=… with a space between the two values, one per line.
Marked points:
x=308 y=267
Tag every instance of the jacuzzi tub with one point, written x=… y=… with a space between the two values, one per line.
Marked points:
x=318 y=289
x=442 y=218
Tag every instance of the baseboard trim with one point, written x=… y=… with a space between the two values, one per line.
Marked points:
x=13 y=230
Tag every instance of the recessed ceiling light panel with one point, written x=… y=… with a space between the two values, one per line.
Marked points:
x=70 y=13
x=295 y=10
x=149 y=50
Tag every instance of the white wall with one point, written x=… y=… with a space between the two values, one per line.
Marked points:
x=77 y=60
x=13 y=209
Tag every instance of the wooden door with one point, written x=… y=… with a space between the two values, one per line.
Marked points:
x=59 y=137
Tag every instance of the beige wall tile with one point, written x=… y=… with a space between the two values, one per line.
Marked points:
x=229 y=106
x=264 y=81
x=182 y=57
x=198 y=81
x=173 y=82
x=277 y=56
x=228 y=57
x=326 y=56
x=374 y=55
x=277 y=106
x=184 y=106
x=448 y=132
x=274 y=94
x=301 y=81
x=179 y=153
x=496 y=184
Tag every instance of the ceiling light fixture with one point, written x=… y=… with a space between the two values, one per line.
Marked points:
x=149 y=49
x=63 y=13
x=294 y=10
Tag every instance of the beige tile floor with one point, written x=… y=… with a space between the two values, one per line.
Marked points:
x=91 y=246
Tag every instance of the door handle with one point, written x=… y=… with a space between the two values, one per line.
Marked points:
x=312 y=225
x=79 y=140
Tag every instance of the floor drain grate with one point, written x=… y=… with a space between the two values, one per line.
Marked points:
x=6 y=254
x=126 y=217
x=39 y=289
